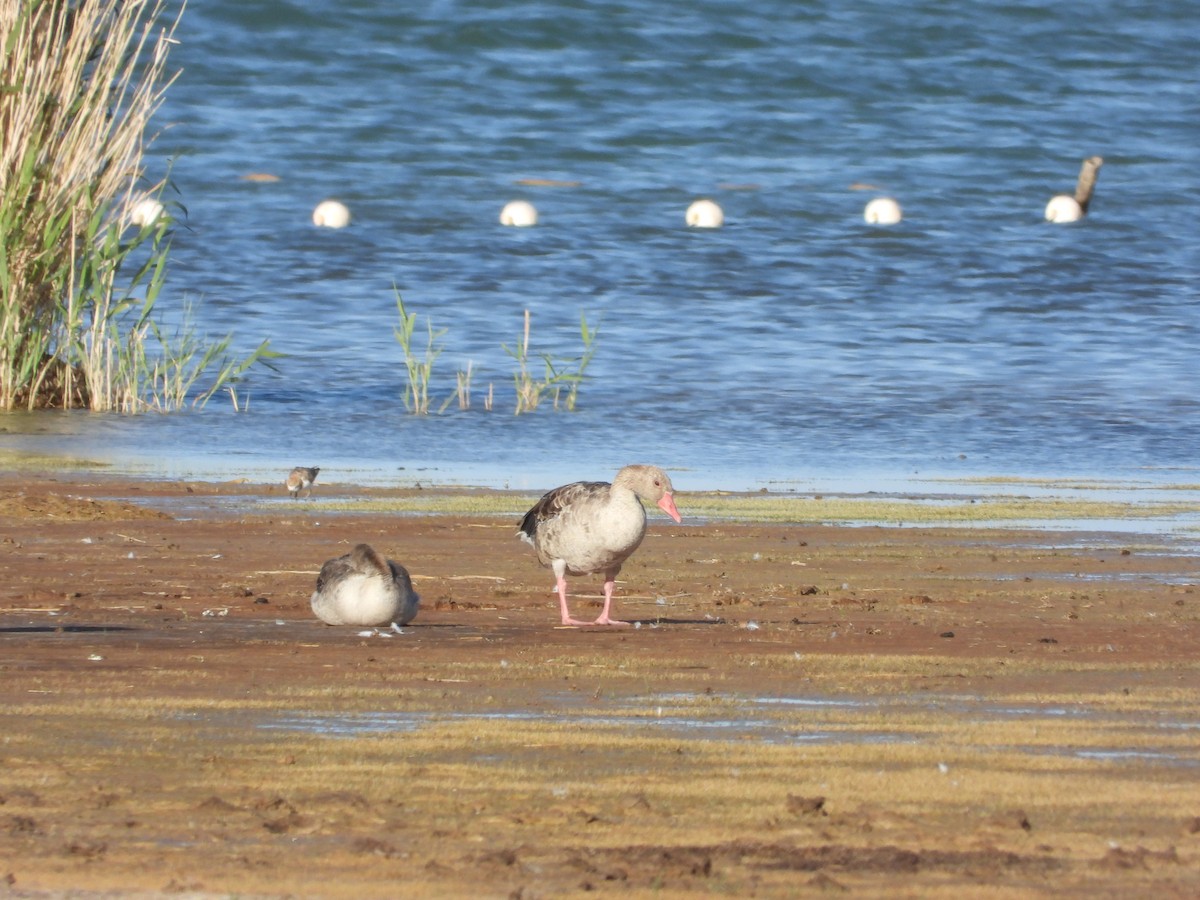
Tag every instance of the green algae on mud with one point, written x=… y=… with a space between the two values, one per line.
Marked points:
x=28 y=461
x=1070 y=484
x=799 y=510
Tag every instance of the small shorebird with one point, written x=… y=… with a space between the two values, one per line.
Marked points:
x=1064 y=207
x=362 y=588
x=594 y=526
x=301 y=478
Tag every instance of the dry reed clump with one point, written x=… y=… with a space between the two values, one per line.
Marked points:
x=79 y=84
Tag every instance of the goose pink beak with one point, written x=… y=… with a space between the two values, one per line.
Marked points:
x=667 y=505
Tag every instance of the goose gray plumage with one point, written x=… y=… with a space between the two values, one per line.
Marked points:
x=594 y=526
x=362 y=588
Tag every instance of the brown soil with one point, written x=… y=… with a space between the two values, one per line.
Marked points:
x=801 y=711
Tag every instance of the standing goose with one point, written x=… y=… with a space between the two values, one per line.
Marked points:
x=594 y=526
x=362 y=588
x=1064 y=207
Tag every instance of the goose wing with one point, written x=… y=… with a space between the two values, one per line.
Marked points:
x=554 y=503
x=333 y=571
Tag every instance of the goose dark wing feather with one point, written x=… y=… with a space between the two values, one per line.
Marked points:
x=334 y=570
x=363 y=560
x=400 y=576
x=552 y=503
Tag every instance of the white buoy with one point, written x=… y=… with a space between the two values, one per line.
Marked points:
x=331 y=214
x=704 y=214
x=1065 y=208
x=519 y=213
x=145 y=212
x=882 y=211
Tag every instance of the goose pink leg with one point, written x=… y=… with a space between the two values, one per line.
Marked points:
x=609 y=584
x=562 y=603
x=604 y=618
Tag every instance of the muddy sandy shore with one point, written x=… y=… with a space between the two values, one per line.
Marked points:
x=923 y=712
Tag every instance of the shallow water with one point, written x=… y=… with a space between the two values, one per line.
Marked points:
x=780 y=720
x=795 y=345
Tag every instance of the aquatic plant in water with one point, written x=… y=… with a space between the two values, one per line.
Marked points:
x=560 y=377
x=558 y=372
x=418 y=368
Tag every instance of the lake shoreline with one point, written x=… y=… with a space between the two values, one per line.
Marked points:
x=798 y=707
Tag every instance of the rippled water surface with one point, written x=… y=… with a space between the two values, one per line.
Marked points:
x=796 y=344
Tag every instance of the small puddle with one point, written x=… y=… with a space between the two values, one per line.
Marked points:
x=1144 y=755
x=673 y=714
x=1118 y=755
x=766 y=730
x=1163 y=578
x=792 y=721
x=1038 y=711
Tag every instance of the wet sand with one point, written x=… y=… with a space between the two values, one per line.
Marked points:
x=801 y=710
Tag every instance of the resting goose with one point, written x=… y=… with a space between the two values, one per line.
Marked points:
x=594 y=526
x=300 y=478
x=1065 y=208
x=361 y=588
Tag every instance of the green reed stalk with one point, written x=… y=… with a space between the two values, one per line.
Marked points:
x=529 y=389
x=419 y=368
x=581 y=363
x=567 y=373
x=560 y=373
x=183 y=359
x=128 y=363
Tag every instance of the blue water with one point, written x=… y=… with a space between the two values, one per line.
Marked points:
x=796 y=345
